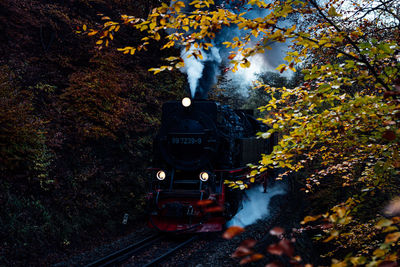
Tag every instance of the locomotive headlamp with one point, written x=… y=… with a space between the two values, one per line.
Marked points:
x=204 y=176
x=161 y=175
x=186 y=102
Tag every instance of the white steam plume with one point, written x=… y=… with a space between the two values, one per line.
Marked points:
x=194 y=67
x=202 y=73
x=260 y=63
x=256 y=206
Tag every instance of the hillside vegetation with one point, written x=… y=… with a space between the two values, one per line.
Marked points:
x=76 y=127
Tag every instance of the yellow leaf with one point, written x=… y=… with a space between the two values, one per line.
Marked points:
x=383 y=223
x=180 y=64
x=246 y=64
x=339 y=264
x=155 y=70
x=332 y=12
x=171 y=58
x=310 y=219
x=334 y=234
x=99 y=42
x=153 y=25
x=341 y=211
x=379 y=252
x=125 y=48
x=84 y=27
x=168 y=45
x=117 y=28
x=253 y=172
x=291 y=29
x=390 y=229
x=281 y=67
x=92 y=33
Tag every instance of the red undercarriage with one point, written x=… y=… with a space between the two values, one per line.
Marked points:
x=188 y=215
x=190 y=210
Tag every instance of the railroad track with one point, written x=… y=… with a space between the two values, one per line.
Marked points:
x=129 y=256
x=170 y=251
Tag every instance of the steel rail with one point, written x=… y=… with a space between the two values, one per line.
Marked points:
x=169 y=252
x=123 y=254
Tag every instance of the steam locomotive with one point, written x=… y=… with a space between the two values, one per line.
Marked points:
x=201 y=144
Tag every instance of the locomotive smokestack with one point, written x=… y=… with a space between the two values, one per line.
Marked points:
x=197 y=95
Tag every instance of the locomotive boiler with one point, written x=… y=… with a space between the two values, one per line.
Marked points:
x=201 y=144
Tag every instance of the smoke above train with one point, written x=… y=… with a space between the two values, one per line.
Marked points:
x=202 y=73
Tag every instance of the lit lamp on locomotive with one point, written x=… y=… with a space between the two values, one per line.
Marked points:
x=186 y=102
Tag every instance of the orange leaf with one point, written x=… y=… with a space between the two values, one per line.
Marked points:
x=393 y=237
x=248 y=243
x=277 y=231
x=241 y=252
x=232 y=231
x=287 y=247
x=232 y=56
x=310 y=219
x=274 y=264
x=251 y=258
x=275 y=249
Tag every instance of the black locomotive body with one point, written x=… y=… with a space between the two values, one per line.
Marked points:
x=200 y=145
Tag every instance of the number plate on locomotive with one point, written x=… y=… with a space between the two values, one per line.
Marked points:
x=186 y=140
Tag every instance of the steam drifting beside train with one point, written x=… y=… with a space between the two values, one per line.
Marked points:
x=201 y=144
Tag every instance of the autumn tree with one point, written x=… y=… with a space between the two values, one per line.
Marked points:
x=76 y=127
x=340 y=127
